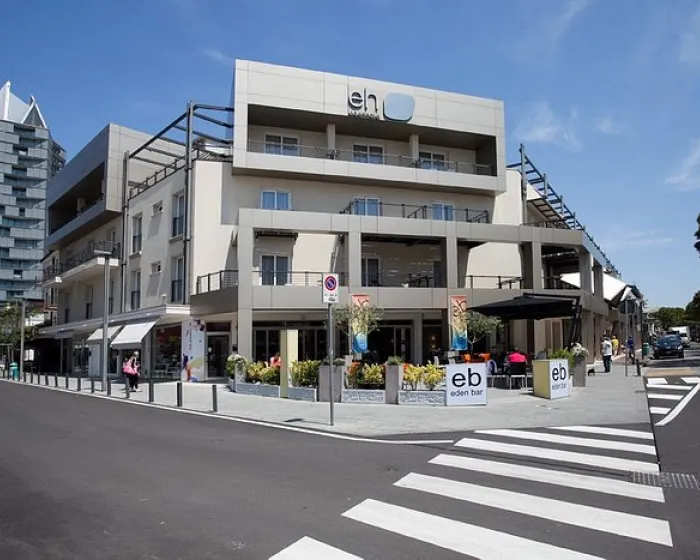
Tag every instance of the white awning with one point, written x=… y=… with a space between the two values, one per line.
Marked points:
x=132 y=335
x=96 y=337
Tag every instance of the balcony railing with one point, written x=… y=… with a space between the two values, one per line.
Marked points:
x=81 y=258
x=554 y=224
x=425 y=212
x=476 y=282
x=292 y=278
x=215 y=281
x=398 y=160
x=388 y=279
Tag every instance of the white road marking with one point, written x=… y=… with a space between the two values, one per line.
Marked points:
x=615 y=522
x=576 y=441
x=675 y=387
x=679 y=407
x=656 y=381
x=607 y=431
x=691 y=380
x=470 y=540
x=310 y=549
x=659 y=410
x=665 y=396
x=603 y=461
x=548 y=476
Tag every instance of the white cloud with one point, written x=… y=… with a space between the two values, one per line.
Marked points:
x=559 y=23
x=637 y=239
x=686 y=176
x=542 y=125
x=217 y=56
x=551 y=27
x=689 y=48
x=607 y=125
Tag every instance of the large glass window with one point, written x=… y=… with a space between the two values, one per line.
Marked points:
x=370 y=272
x=136 y=229
x=178 y=276
x=430 y=160
x=281 y=145
x=366 y=206
x=274 y=270
x=136 y=289
x=445 y=212
x=367 y=154
x=166 y=363
x=178 y=215
x=275 y=200
x=88 y=302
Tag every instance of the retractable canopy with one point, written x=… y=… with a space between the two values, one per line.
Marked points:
x=132 y=335
x=530 y=306
x=97 y=335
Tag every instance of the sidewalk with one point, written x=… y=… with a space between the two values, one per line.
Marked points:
x=607 y=399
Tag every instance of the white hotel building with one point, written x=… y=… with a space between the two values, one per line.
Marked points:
x=403 y=191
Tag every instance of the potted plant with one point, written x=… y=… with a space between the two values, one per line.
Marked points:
x=578 y=369
x=304 y=380
x=365 y=384
x=260 y=379
x=420 y=385
x=394 y=369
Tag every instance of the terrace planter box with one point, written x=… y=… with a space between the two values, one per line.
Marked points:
x=436 y=397
x=259 y=389
x=366 y=396
x=309 y=394
x=393 y=381
x=324 y=378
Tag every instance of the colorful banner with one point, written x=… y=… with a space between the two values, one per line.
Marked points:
x=193 y=348
x=358 y=326
x=458 y=323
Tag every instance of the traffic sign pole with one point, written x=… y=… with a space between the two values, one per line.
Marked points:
x=329 y=296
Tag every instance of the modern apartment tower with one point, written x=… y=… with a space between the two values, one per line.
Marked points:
x=28 y=158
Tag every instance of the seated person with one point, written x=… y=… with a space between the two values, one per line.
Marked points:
x=516 y=357
x=276 y=361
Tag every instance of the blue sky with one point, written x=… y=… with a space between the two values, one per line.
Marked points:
x=602 y=92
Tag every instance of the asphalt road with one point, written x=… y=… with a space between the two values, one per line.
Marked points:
x=678 y=445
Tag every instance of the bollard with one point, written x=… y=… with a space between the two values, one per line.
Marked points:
x=127 y=389
x=179 y=394
x=214 y=399
x=67 y=384
x=92 y=385
x=80 y=383
x=109 y=386
x=46 y=379
x=150 y=390
x=24 y=376
x=639 y=368
x=55 y=380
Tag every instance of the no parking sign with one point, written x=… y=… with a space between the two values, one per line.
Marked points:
x=329 y=289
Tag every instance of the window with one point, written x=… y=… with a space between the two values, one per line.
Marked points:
x=155 y=267
x=158 y=208
x=178 y=215
x=275 y=200
x=88 y=302
x=135 y=289
x=370 y=271
x=17 y=273
x=137 y=224
x=112 y=237
x=366 y=206
x=111 y=296
x=22 y=212
x=274 y=270
x=445 y=212
x=177 y=281
x=281 y=145
x=367 y=154
x=430 y=160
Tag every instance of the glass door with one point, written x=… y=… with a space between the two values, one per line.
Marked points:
x=217 y=354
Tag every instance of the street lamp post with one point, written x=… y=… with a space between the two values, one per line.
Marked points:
x=21 y=337
x=104 y=362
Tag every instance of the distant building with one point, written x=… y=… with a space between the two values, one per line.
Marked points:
x=28 y=157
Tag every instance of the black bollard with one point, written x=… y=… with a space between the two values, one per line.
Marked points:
x=127 y=389
x=179 y=394
x=92 y=385
x=55 y=380
x=109 y=386
x=214 y=399
x=80 y=382
x=67 y=384
x=24 y=376
x=151 y=389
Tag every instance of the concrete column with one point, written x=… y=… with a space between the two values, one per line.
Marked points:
x=598 y=280
x=587 y=333
x=531 y=257
x=289 y=352
x=245 y=244
x=417 y=339
x=584 y=267
x=330 y=137
x=245 y=333
x=449 y=262
x=353 y=254
x=414 y=143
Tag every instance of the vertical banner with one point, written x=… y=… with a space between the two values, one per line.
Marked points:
x=458 y=323
x=193 y=348
x=358 y=327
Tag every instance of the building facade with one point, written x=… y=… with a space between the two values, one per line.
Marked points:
x=220 y=239
x=28 y=158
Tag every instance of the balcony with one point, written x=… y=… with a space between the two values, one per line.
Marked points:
x=440 y=212
x=289 y=278
x=215 y=281
x=83 y=265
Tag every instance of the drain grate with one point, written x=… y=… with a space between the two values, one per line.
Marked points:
x=666 y=480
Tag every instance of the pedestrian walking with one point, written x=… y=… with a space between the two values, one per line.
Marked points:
x=615 y=345
x=606 y=349
x=130 y=368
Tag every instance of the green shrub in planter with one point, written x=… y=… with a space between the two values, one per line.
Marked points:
x=412 y=376
x=270 y=375
x=433 y=376
x=253 y=372
x=395 y=361
x=235 y=360
x=372 y=375
x=305 y=373
x=336 y=362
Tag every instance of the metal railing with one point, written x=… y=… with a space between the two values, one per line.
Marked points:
x=292 y=278
x=391 y=279
x=215 y=281
x=477 y=282
x=83 y=257
x=554 y=224
x=357 y=156
x=424 y=212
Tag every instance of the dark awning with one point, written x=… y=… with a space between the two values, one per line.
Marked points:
x=530 y=306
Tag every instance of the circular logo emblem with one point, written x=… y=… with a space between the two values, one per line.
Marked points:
x=331 y=283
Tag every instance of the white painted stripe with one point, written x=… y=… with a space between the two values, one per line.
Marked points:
x=665 y=396
x=576 y=441
x=671 y=387
x=548 y=476
x=691 y=380
x=310 y=549
x=608 y=521
x=659 y=410
x=679 y=407
x=656 y=381
x=470 y=540
x=613 y=463
x=607 y=431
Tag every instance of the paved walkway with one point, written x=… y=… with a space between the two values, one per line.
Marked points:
x=607 y=399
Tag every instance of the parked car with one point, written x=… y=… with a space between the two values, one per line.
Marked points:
x=668 y=345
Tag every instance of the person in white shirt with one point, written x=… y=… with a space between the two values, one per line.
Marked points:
x=606 y=348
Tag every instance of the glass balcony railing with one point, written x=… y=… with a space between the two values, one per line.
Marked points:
x=441 y=212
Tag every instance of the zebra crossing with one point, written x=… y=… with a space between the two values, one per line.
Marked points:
x=668 y=396
x=553 y=493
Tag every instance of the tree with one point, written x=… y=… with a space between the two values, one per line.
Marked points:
x=670 y=317
x=692 y=310
x=11 y=321
x=358 y=318
x=479 y=326
x=697 y=236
